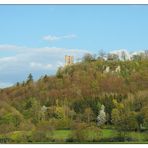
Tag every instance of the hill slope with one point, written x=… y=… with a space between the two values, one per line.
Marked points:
x=76 y=93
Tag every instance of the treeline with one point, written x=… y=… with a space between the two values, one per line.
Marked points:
x=75 y=96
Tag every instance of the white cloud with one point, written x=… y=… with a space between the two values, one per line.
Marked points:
x=7 y=59
x=51 y=38
x=14 y=48
x=5 y=84
x=40 y=66
x=8 y=47
x=59 y=64
x=38 y=61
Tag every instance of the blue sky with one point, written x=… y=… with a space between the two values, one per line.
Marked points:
x=35 y=38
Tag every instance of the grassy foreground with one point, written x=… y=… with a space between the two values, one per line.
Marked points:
x=106 y=134
x=60 y=136
x=63 y=134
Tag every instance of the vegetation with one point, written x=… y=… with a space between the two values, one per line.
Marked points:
x=95 y=100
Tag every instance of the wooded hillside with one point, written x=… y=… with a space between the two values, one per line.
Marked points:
x=92 y=93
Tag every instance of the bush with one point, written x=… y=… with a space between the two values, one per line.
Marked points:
x=43 y=132
x=82 y=132
x=39 y=136
x=60 y=123
x=20 y=137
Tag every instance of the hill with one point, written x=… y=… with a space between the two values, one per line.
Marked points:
x=74 y=99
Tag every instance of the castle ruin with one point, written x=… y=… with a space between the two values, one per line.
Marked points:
x=69 y=60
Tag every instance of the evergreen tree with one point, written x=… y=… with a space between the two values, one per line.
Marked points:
x=29 y=78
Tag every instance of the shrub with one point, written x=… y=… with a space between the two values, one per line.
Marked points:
x=82 y=132
x=19 y=137
x=43 y=132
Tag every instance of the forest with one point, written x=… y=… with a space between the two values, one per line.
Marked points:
x=92 y=101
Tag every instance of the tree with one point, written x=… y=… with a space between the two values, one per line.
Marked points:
x=113 y=57
x=123 y=55
x=136 y=57
x=60 y=112
x=43 y=132
x=29 y=78
x=88 y=113
x=43 y=112
x=101 y=55
x=79 y=133
x=59 y=73
x=145 y=115
x=123 y=118
x=102 y=116
x=116 y=117
x=82 y=132
x=17 y=84
x=88 y=58
x=33 y=110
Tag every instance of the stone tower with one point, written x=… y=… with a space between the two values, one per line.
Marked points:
x=69 y=60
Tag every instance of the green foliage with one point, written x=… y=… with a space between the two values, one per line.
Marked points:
x=20 y=136
x=43 y=132
x=88 y=58
x=123 y=119
x=29 y=78
x=81 y=132
x=75 y=94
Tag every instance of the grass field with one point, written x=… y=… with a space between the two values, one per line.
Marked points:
x=140 y=137
x=60 y=136
x=63 y=134
x=106 y=133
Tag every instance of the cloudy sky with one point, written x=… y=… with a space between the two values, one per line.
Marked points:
x=35 y=38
